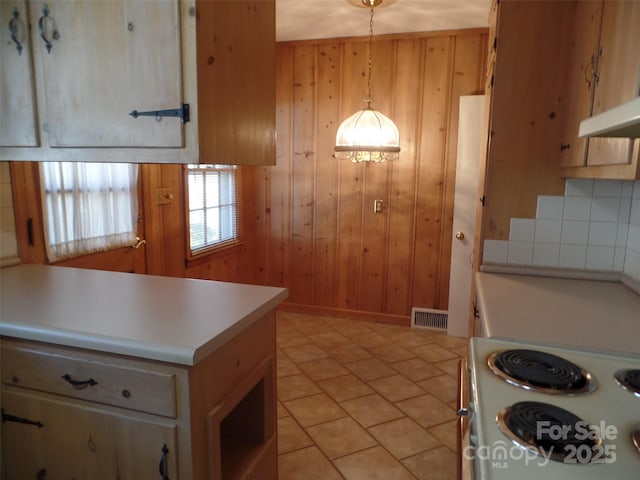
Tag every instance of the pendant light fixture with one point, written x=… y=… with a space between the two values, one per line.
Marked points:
x=368 y=135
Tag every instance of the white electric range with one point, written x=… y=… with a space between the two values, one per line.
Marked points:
x=520 y=428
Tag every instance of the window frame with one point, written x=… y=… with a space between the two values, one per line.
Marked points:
x=220 y=248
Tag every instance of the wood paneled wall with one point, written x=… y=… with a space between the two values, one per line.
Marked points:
x=308 y=223
x=319 y=235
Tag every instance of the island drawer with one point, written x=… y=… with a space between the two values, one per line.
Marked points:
x=85 y=375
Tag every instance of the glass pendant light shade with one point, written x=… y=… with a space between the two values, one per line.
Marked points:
x=367 y=136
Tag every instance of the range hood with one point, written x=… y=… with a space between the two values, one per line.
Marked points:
x=621 y=121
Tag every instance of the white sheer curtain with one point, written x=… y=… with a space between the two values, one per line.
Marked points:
x=88 y=207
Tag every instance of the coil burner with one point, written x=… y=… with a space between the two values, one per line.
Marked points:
x=551 y=432
x=541 y=371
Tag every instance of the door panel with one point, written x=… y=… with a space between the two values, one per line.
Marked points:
x=106 y=60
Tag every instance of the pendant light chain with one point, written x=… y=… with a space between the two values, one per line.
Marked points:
x=369 y=98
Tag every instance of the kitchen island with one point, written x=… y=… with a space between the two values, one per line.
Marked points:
x=131 y=376
x=592 y=314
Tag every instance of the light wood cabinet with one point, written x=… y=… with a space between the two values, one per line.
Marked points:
x=17 y=96
x=96 y=62
x=603 y=74
x=75 y=413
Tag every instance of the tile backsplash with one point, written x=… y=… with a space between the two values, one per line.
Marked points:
x=595 y=226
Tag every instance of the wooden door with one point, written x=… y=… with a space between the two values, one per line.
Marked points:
x=470 y=141
x=107 y=59
x=618 y=77
x=79 y=440
x=17 y=100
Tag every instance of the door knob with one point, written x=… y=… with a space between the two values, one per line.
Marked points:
x=460 y=236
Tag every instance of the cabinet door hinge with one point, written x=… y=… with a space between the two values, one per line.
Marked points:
x=182 y=113
x=482 y=200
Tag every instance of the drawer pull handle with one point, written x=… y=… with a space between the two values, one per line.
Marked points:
x=79 y=383
x=12 y=418
x=163 y=468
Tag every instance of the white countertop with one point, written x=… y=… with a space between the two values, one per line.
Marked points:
x=583 y=313
x=175 y=320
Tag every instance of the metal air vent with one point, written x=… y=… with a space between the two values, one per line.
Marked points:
x=429 y=318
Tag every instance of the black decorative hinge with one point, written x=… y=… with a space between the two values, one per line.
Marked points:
x=25 y=421
x=182 y=113
x=482 y=200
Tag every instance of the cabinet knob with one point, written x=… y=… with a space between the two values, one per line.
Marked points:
x=460 y=235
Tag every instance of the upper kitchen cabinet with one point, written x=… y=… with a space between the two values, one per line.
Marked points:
x=17 y=98
x=604 y=73
x=168 y=81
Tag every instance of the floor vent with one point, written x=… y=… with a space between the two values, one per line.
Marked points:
x=429 y=318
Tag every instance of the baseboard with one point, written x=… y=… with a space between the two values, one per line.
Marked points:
x=403 y=320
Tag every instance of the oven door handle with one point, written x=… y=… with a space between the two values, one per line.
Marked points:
x=462 y=410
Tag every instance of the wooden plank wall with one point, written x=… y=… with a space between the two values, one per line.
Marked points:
x=308 y=223
x=319 y=235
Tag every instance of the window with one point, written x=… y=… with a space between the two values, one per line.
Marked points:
x=213 y=219
x=88 y=207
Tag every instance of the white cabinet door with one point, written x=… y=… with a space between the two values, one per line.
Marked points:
x=17 y=100
x=106 y=59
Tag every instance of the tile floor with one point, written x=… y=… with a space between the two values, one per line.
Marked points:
x=361 y=400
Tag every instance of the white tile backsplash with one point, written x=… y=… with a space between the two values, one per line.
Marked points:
x=496 y=251
x=546 y=254
x=548 y=231
x=578 y=187
x=573 y=256
x=574 y=232
x=603 y=233
x=607 y=188
x=520 y=253
x=600 y=258
x=595 y=226
x=550 y=207
x=605 y=209
x=522 y=229
x=577 y=208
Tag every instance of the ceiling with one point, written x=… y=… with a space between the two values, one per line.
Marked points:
x=313 y=19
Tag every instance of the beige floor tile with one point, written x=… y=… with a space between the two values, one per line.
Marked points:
x=370 y=369
x=391 y=353
x=433 y=353
x=285 y=367
x=323 y=368
x=291 y=436
x=416 y=369
x=369 y=339
x=296 y=386
x=427 y=410
x=404 y=437
x=345 y=387
x=461 y=351
x=396 y=388
x=413 y=337
x=306 y=464
x=304 y=352
x=291 y=338
x=329 y=339
x=445 y=387
x=451 y=342
x=436 y=464
x=449 y=366
x=348 y=353
x=314 y=409
x=352 y=327
x=372 y=464
x=371 y=410
x=282 y=412
x=341 y=437
x=446 y=433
